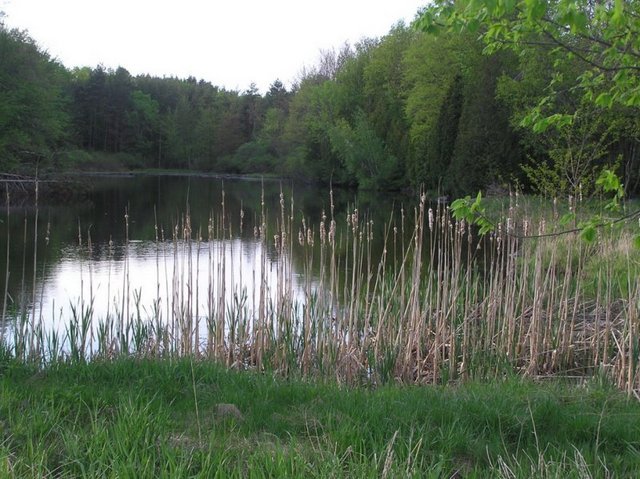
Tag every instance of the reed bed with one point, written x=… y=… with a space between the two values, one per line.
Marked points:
x=439 y=304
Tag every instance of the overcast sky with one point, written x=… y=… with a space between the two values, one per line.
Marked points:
x=229 y=43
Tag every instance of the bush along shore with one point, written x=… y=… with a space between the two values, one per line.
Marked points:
x=331 y=361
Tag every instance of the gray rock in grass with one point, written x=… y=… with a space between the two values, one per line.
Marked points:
x=228 y=411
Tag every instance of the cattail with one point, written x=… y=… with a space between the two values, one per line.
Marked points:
x=430 y=219
x=543 y=226
x=332 y=232
x=580 y=192
x=331 y=200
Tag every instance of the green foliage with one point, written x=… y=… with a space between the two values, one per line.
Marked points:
x=611 y=187
x=578 y=77
x=604 y=38
x=588 y=230
x=384 y=91
x=444 y=136
x=432 y=65
x=33 y=120
x=610 y=184
x=363 y=152
x=472 y=213
x=253 y=157
x=577 y=151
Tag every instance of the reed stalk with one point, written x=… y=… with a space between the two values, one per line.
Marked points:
x=5 y=296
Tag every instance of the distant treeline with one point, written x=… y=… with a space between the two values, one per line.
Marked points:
x=404 y=111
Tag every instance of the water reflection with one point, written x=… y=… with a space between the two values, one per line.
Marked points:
x=151 y=280
x=115 y=251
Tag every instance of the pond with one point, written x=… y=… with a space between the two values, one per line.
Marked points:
x=159 y=248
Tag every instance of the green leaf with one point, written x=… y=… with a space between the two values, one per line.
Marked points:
x=473 y=25
x=633 y=99
x=567 y=218
x=604 y=100
x=477 y=202
x=461 y=210
x=535 y=9
x=541 y=125
x=485 y=228
x=509 y=6
x=636 y=241
x=618 y=13
x=578 y=22
x=588 y=233
x=610 y=182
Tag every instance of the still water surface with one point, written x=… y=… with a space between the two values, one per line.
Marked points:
x=114 y=251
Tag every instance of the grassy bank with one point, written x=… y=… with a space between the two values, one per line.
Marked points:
x=132 y=418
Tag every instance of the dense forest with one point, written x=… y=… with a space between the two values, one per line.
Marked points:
x=407 y=110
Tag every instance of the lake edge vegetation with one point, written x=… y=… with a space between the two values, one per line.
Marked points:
x=441 y=303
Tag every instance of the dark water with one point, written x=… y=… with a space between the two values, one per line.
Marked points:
x=109 y=244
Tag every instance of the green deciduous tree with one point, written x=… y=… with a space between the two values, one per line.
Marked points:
x=605 y=36
x=364 y=153
x=33 y=117
x=584 y=56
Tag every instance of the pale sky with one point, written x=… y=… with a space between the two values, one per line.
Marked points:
x=228 y=43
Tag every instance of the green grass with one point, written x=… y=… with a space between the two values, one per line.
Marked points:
x=133 y=418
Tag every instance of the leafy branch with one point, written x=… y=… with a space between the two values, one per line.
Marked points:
x=474 y=212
